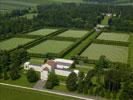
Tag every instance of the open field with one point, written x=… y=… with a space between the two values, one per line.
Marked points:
x=114 y=37
x=50 y=46
x=105 y=20
x=11 y=93
x=43 y=32
x=13 y=43
x=113 y=53
x=131 y=51
x=73 y=33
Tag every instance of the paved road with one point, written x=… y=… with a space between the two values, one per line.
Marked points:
x=48 y=91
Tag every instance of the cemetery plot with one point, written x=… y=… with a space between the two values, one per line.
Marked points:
x=13 y=43
x=50 y=46
x=73 y=33
x=113 y=53
x=42 y=32
x=114 y=37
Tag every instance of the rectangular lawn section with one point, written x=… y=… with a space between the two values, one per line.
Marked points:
x=12 y=93
x=42 y=32
x=73 y=33
x=13 y=43
x=105 y=20
x=114 y=37
x=131 y=51
x=50 y=46
x=113 y=53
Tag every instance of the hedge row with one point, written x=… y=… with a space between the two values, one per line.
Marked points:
x=48 y=55
x=39 y=40
x=63 y=53
x=65 y=38
x=108 y=42
x=86 y=46
x=28 y=36
x=78 y=59
x=36 y=42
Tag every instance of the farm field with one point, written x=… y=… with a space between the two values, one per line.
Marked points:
x=73 y=33
x=13 y=43
x=113 y=53
x=131 y=51
x=11 y=93
x=43 y=32
x=114 y=37
x=50 y=46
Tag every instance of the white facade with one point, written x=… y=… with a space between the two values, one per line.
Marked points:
x=62 y=72
x=44 y=75
x=28 y=66
x=61 y=68
x=63 y=63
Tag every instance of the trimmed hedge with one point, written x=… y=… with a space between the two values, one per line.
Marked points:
x=39 y=40
x=63 y=53
x=28 y=36
x=79 y=58
x=48 y=55
x=108 y=42
x=65 y=38
x=86 y=46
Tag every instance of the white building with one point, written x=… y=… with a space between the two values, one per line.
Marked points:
x=59 y=66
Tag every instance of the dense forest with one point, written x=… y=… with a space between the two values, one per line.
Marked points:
x=124 y=19
x=71 y=15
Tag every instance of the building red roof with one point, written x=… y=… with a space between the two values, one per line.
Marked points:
x=45 y=69
x=51 y=63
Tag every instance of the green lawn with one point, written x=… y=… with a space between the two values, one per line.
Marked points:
x=36 y=61
x=22 y=81
x=84 y=68
x=12 y=93
x=42 y=32
x=114 y=37
x=61 y=88
x=50 y=46
x=76 y=50
x=13 y=43
x=73 y=33
x=105 y=20
x=113 y=53
x=131 y=51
